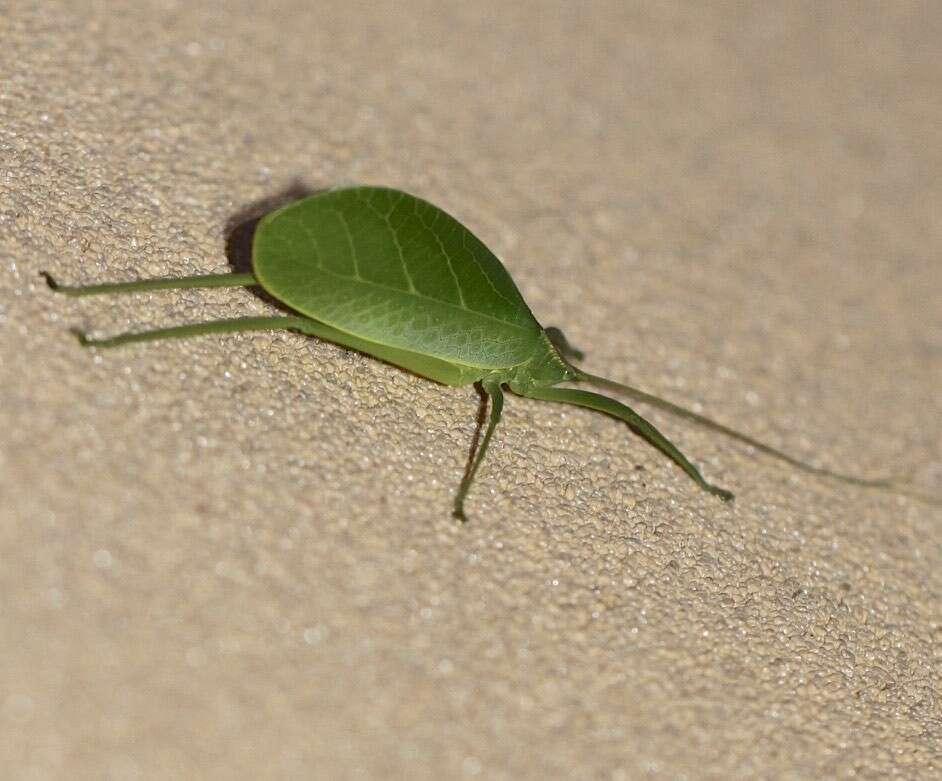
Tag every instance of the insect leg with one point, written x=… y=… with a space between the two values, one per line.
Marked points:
x=635 y=422
x=164 y=283
x=561 y=343
x=496 y=396
x=199 y=329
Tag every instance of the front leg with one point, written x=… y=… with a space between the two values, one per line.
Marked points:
x=561 y=343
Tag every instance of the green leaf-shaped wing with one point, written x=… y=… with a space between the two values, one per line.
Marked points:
x=389 y=267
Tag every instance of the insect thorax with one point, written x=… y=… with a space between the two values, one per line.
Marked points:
x=546 y=367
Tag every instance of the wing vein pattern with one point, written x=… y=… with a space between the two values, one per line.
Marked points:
x=386 y=266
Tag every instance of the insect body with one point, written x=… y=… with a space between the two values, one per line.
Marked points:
x=380 y=271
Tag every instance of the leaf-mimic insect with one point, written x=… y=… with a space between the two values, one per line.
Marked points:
x=387 y=274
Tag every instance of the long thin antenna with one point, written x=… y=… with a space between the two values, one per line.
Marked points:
x=885 y=484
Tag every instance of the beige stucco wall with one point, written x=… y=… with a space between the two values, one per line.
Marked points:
x=233 y=557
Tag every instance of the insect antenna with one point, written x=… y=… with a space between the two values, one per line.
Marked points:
x=892 y=485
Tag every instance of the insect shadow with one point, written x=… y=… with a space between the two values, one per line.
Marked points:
x=240 y=231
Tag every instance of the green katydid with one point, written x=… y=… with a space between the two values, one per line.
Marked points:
x=390 y=275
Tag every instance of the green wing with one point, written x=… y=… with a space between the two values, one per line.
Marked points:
x=388 y=267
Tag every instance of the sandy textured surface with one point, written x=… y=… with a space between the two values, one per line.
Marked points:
x=233 y=557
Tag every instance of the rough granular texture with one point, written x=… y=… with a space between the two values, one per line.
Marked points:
x=232 y=557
